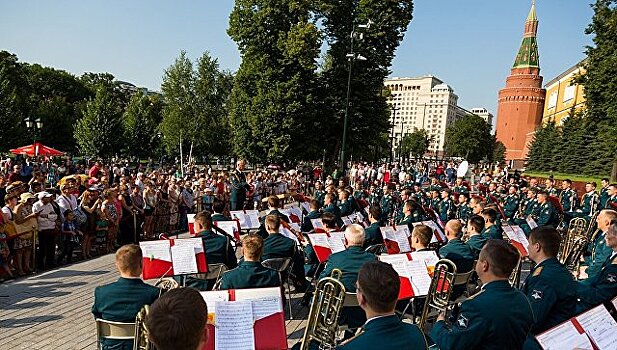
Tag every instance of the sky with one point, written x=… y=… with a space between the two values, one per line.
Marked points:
x=469 y=44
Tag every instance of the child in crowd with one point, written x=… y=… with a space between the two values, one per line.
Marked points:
x=69 y=237
x=101 y=232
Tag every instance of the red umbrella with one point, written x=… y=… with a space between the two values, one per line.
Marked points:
x=37 y=149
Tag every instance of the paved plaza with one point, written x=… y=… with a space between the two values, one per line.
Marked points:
x=51 y=310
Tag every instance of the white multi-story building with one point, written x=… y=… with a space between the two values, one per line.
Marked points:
x=484 y=114
x=422 y=103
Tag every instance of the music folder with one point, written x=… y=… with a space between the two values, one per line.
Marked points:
x=517 y=238
x=413 y=272
x=593 y=329
x=268 y=317
x=231 y=227
x=191 y=222
x=396 y=239
x=326 y=244
x=438 y=235
x=249 y=219
x=159 y=258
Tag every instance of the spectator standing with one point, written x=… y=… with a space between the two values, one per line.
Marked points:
x=46 y=221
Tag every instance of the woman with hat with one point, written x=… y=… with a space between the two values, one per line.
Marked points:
x=23 y=213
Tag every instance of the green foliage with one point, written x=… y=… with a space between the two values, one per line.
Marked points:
x=99 y=131
x=140 y=121
x=541 y=150
x=195 y=105
x=499 y=152
x=415 y=143
x=11 y=120
x=272 y=110
x=470 y=137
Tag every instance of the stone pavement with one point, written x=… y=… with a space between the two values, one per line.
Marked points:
x=51 y=310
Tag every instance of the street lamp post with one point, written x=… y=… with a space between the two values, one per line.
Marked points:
x=36 y=126
x=351 y=58
x=394 y=109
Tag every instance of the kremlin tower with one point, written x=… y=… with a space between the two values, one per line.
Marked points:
x=521 y=102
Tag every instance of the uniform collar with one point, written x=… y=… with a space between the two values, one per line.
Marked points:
x=130 y=280
x=548 y=261
x=355 y=248
x=205 y=233
x=380 y=320
x=249 y=263
x=499 y=284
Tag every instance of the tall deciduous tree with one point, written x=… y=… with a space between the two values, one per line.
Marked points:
x=469 y=137
x=140 y=122
x=272 y=106
x=415 y=143
x=99 y=132
x=11 y=119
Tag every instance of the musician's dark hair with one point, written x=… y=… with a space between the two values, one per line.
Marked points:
x=204 y=218
x=218 y=206
x=549 y=239
x=375 y=211
x=406 y=192
x=413 y=206
x=501 y=256
x=274 y=202
x=314 y=204
x=551 y=180
x=272 y=222
x=477 y=222
x=613 y=185
x=252 y=246
x=379 y=283
x=568 y=181
x=177 y=320
x=606 y=179
x=328 y=220
x=331 y=197
x=424 y=234
x=447 y=190
x=491 y=214
x=543 y=193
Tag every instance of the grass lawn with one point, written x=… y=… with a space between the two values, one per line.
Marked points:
x=560 y=176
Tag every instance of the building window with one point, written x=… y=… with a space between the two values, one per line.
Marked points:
x=569 y=92
x=552 y=100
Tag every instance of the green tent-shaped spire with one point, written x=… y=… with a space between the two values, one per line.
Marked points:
x=528 y=56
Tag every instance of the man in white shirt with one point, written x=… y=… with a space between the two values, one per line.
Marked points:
x=46 y=221
x=66 y=201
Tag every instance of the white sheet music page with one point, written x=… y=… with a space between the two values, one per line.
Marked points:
x=600 y=327
x=336 y=241
x=265 y=301
x=319 y=239
x=287 y=233
x=306 y=206
x=228 y=226
x=399 y=262
x=614 y=301
x=532 y=223
x=234 y=326
x=429 y=257
x=196 y=243
x=437 y=232
x=211 y=297
x=317 y=224
x=420 y=279
x=156 y=250
x=564 y=336
x=183 y=259
x=402 y=238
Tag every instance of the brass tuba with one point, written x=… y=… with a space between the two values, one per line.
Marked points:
x=327 y=302
x=165 y=284
x=438 y=296
x=141 y=341
x=573 y=243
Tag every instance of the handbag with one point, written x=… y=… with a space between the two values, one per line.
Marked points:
x=9 y=229
x=80 y=217
x=25 y=230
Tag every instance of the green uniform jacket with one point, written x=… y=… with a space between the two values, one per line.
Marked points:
x=120 y=301
x=372 y=235
x=262 y=229
x=476 y=243
x=568 y=200
x=319 y=196
x=446 y=210
x=333 y=209
x=551 y=291
x=461 y=189
x=307 y=226
x=219 y=217
x=604 y=197
x=493 y=232
x=387 y=207
x=278 y=246
x=349 y=262
x=545 y=214
x=387 y=330
x=346 y=208
x=218 y=250
x=589 y=204
x=238 y=187
x=464 y=212
x=411 y=219
x=498 y=317
x=600 y=252
x=250 y=274
x=510 y=205
x=459 y=253
x=599 y=288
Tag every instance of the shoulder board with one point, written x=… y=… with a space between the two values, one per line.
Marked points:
x=537 y=271
x=353 y=338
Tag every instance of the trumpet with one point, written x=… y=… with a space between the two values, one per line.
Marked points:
x=325 y=308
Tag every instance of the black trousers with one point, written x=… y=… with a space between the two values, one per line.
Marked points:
x=46 y=253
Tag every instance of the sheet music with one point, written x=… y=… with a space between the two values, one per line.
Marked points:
x=600 y=326
x=430 y=258
x=347 y=220
x=196 y=243
x=336 y=241
x=285 y=212
x=516 y=233
x=295 y=226
x=306 y=206
x=562 y=337
x=400 y=263
x=397 y=236
x=266 y=301
x=184 y=261
x=248 y=220
x=317 y=224
x=211 y=297
x=319 y=239
x=287 y=233
x=296 y=211
x=420 y=279
x=234 y=326
x=437 y=232
x=229 y=227
x=532 y=223
x=156 y=250
x=614 y=301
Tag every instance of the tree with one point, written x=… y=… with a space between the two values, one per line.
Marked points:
x=499 y=152
x=469 y=137
x=600 y=81
x=272 y=106
x=541 y=154
x=195 y=105
x=99 y=131
x=415 y=143
x=11 y=119
x=140 y=122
